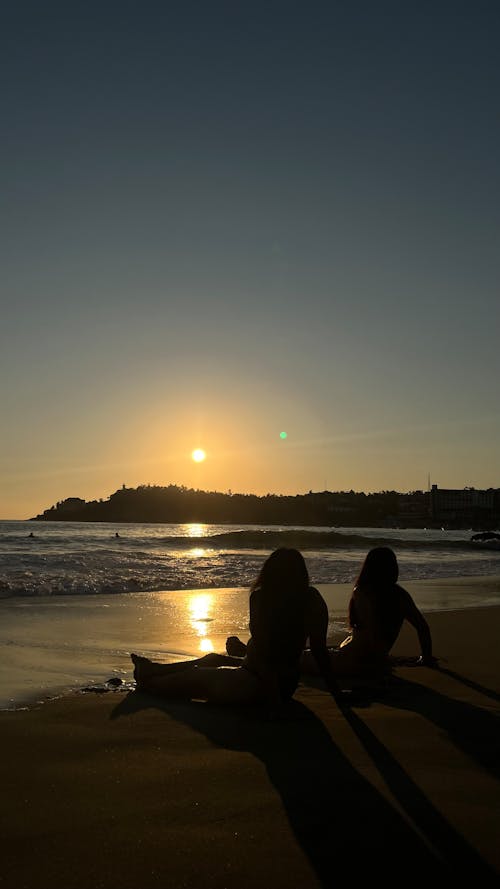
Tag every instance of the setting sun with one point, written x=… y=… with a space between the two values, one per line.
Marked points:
x=198 y=455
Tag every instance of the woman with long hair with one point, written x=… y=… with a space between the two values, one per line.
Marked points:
x=376 y=612
x=377 y=609
x=285 y=611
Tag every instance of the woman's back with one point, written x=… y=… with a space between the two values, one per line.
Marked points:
x=376 y=615
x=280 y=623
x=284 y=612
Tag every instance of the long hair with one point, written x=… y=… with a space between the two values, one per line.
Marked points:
x=283 y=571
x=280 y=601
x=378 y=576
x=380 y=568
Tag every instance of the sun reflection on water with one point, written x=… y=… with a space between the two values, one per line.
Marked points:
x=200 y=608
x=194 y=529
x=197 y=552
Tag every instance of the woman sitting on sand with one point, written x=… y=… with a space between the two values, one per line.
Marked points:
x=377 y=610
x=285 y=611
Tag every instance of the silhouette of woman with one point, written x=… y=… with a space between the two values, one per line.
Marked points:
x=285 y=611
x=377 y=609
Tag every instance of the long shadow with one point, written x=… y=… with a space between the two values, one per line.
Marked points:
x=345 y=827
x=473 y=730
x=470 y=683
x=482 y=689
x=426 y=818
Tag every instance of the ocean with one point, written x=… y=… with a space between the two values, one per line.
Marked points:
x=76 y=599
x=80 y=558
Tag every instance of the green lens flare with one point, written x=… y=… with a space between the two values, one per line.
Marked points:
x=283 y=434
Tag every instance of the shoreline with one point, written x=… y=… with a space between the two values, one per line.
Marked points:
x=54 y=645
x=128 y=790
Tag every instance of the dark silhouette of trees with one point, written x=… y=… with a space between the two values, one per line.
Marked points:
x=330 y=509
x=177 y=503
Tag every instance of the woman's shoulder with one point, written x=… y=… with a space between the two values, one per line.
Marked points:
x=366 y=595
x=255 y=597
x=405 y=599
x=314 y=599
x=361 y=590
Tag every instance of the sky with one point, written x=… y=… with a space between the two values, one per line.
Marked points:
x=222 y=221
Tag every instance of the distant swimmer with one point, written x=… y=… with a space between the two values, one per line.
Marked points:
x=117 y=535
x=31 y=534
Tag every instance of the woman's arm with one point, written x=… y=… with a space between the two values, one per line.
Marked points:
x=253 y=609
x=417 y=620
x=318 y=629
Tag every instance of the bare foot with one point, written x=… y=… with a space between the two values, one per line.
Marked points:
x=143 y=668
x=235 y=647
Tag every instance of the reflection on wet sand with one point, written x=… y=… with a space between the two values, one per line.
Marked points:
x=201 y=607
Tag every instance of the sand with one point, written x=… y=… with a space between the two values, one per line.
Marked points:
x=55 y=644
x=122 y=790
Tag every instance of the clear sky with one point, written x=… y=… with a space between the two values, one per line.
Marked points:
x=224 y=220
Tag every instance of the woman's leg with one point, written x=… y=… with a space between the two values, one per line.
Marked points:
x=345 y=661
x=145 y=669
x=222 y=685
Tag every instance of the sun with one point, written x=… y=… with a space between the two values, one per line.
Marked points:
x=198 y=455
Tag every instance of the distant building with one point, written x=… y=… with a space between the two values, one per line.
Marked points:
x=466 y=507
x=415 y=509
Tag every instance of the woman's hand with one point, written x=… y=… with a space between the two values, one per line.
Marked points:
x=428 y=661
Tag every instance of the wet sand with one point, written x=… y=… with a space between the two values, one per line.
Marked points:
x=122 y=790
x=54 y=644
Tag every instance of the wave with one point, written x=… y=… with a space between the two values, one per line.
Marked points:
x=318 y=540
x=90 y=560
x=245 y=539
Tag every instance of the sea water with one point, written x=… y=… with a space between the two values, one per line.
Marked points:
x=89 y=558
x=75 y=599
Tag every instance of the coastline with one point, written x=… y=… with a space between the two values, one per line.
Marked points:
x=126 y=790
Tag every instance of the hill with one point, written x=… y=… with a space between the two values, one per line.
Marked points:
x=174 y=503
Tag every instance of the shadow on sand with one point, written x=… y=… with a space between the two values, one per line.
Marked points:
x=473 y=730
x=470 y=683
x=345 y=827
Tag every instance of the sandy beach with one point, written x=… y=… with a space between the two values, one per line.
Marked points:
x=53 y=645
x=124 y=790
